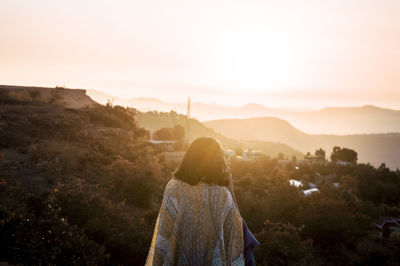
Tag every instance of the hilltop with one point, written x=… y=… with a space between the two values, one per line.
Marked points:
x=70 y=98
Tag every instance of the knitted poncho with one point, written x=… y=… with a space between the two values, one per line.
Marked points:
x=197 y=225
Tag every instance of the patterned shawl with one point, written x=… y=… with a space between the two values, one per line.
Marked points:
x=197 y=225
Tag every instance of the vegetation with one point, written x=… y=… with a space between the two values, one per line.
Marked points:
x=333 y=227
x=176 y=133
x=343 y=154
x=77 y=186
x=320 y=153
x=84 y=186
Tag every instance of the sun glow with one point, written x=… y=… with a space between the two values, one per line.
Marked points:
x=270 y=52
x=256 y=60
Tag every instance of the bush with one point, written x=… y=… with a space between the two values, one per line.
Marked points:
x=134 y=181
x=281 y=244
x=33 y=231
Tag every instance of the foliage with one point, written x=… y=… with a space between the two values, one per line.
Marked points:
x=320 y=153
x=282 y=244
x=343 y=154
x=134 y=181
x=33 y=231
x=100 y=170
x=338 y=220
x=84 y=186
x=176 y=133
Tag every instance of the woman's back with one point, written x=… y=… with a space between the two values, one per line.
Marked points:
x=197 y=225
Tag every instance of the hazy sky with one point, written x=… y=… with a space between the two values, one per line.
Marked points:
x=278 y=53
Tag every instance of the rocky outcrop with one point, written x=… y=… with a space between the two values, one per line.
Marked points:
x=70 y=98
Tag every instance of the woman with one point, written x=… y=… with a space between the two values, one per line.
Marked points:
x=199 y=222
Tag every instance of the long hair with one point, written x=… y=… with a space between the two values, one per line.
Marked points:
x=204 y=161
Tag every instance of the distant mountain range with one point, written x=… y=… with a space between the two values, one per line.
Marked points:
x=372 y=131
x=331 y=120
x=372 y=148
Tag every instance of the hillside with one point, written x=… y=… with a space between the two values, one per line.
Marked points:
x=366 y=119
x=76 y=185
x=153 y=121
x=271 y=128
x=84 y=185
x=372 y=148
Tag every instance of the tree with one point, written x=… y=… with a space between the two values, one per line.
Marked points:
x=281 y=156
x=281 y=244
x=343 y=154
x=163 y=134
x=178 y=132
x=320 y=153
x=238 y=151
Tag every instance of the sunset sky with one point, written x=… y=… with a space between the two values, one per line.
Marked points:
x=300 y=54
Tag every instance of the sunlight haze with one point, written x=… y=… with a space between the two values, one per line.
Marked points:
x=299 y=54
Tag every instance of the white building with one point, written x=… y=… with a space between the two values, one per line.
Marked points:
x=252 y=155
x=168 y=145
x=339 y=162
x=229 y=154
x=310 y=191
x=295 y=183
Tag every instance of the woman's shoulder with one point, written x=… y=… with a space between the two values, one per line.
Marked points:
x=175 y=184
x=171 y=186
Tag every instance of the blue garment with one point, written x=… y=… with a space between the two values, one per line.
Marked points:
x=250 y=242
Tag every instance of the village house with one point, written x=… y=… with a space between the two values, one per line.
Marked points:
x=246 y=155
x=310 y=191
x=339 y=162
x=299 y=184
x=168 y=150
x=165 y=145
x=252 y=155
x=312 y=159
x=229 y=154
x=388 y=226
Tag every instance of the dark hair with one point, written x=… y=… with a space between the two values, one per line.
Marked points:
x=204 y=161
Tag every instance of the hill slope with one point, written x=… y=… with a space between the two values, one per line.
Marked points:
x=347 y=120
x=373 y=148
x=153 y=121
x=77 y=185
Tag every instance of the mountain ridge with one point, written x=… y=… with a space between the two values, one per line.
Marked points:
x=368 y=118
